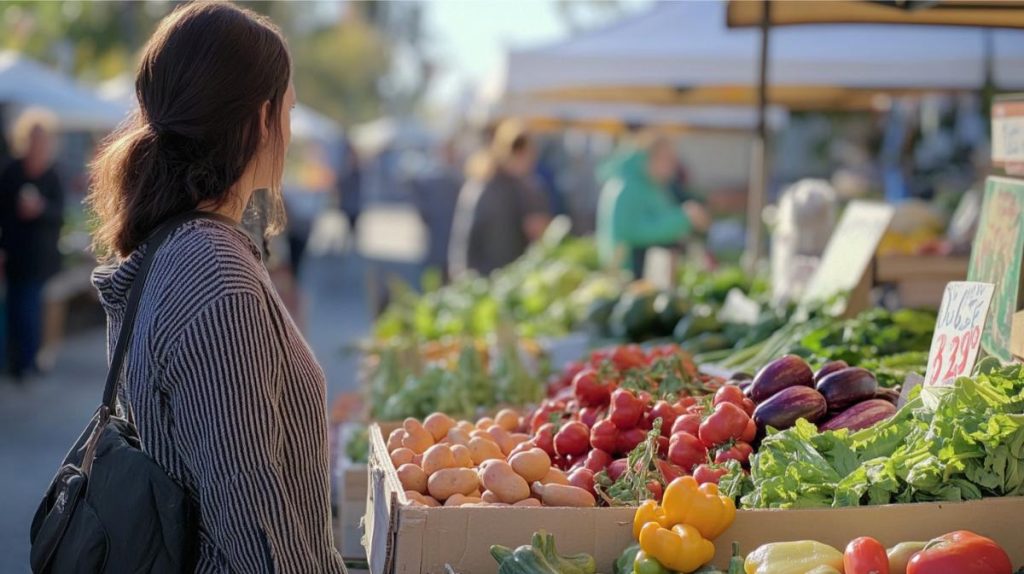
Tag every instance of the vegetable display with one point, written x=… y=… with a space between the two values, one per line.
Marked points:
x=541 y=557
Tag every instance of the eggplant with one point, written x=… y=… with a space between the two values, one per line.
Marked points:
x=847 y=387
x=782 y=373
x=829 y=368
x=782 y=410
x=861 y=415
x=891 y=395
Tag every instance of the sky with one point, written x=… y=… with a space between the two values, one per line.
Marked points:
x=471 y=36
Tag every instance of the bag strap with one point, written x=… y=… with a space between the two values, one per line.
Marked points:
x=153 y=243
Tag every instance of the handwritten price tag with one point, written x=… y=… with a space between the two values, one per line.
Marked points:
x=958 y=329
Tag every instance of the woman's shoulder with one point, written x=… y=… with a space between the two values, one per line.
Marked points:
x=210 y=257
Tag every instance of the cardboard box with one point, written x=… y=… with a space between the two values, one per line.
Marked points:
x=405 y=539
x=350 y=495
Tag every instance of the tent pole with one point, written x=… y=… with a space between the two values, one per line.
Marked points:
x=759 y=160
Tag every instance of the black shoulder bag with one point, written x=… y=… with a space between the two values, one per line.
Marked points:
x=111 y=507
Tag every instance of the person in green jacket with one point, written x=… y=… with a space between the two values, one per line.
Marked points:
x=636 y=209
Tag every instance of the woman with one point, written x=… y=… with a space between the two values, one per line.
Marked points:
x=31 y=215
x=226 y=395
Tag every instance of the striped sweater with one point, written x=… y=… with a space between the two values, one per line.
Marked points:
x=228 y=399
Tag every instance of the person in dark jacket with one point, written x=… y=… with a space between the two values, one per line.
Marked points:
x=31 y=215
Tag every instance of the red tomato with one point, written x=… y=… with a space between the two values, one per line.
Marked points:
x=656 y=490
x=686 y=423
x=597 y=460
x=687 y=451
x=865 y=555
x=590 y=415
x=628 y=439
x=726 y=423
x=583 y=478
x=664 y=411
x=748 y=406
x=709 y=473
x=684 y=403
x=963 y=552
x=697 y=409
x=544 y=413
x=545 y=438
x=646 y=399
x=749 y=433
x=628 y=357
x=663 y=446
x=669 y=471
x=604 y=435
x=572 y=439
x=616 y=468
x=739 y=452
x=590 y=390
x=626 y=409
x=729 y=394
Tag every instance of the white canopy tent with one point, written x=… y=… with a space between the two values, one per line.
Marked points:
x=683 y=52
x=25 y=82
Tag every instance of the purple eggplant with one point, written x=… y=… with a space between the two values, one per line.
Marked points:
x=847 y=387
x=861 y=415
x=782 y=373
x=829 y=368
x=892 y=395
x=782 y=410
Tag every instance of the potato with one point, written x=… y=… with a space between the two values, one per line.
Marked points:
x=449 y=481
x=480 y=433
x=465 y=426
x=461 y=500
x=401 y=455
x=482 y=449
x=462 y=456
x=555 y=476
x=519 y=438
x=484 y=423
x=412 y=477
x=528 y=502
x=456 y=435
x=501 y=437
x=507 y=419
x=532 y=465
x=498 y=477
x=417 y=459
x=421 y=499
x=438 y=424
x=563 y=495
x=436 y=458
x=395 y=439
x=416 y=438
x=488 y=497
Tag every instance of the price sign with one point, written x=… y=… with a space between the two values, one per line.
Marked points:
x=849 y=250
x=958 y=330
x=996 y=258
x=1008 y=134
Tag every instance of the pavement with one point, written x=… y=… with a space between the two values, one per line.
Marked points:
x=40 y=421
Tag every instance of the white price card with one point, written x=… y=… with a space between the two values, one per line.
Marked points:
x=958 y=329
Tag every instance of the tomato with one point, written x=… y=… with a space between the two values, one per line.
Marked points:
x=697 y=409
x=739 y=452
x=687 y=451
x=684 y=403
x=865 y=555
x=565 y=378
x=628 y=357
x=628 y=439
x=597 y=460
x=572 y=439
x=604 y=435
x=748 y=406
x=729 y=394
x=663 y=446
x=590 y=390
x=583 y=478
x=545 y=438
x=646 y=422
x=686 y=423
x=664 y=411
x=656 y=490
x=521 y=447
x=963 y=552
x=544 y=413
x=749 y=433
x=669 y=471
x=626 y=409
x=726 y=423
x=616 y=468
x=590 y=415
x=709 y=473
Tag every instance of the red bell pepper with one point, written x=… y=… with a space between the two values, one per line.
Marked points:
x=962 y=552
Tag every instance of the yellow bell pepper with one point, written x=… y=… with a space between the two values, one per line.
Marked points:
x=792 y=558
x=649 y=511
x=682 y=549
x=699 y=506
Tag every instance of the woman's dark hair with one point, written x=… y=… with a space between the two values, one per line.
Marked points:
x=203 y=79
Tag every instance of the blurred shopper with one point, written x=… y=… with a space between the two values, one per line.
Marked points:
x=637 y=209
x=435 y=194
x=31 y=215
x=226 y=394
x=350 y=190
x=500 y=209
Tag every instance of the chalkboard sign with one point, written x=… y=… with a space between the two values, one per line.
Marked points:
x=996 y=258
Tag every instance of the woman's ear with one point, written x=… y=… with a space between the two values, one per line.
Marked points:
x=264 y=125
